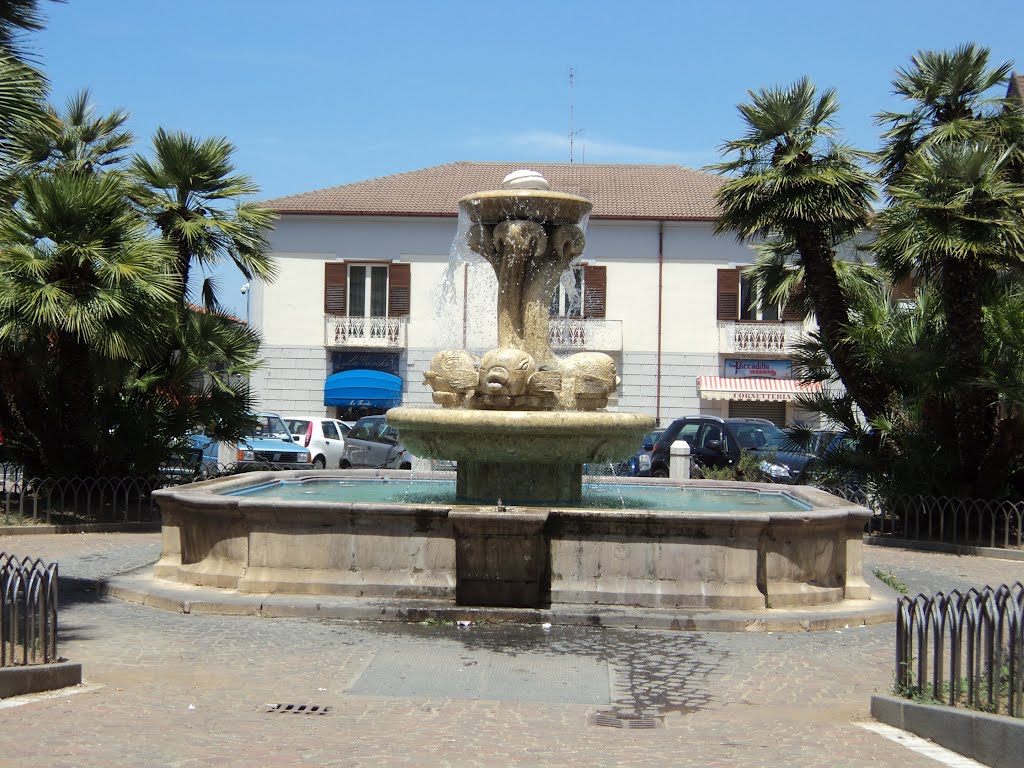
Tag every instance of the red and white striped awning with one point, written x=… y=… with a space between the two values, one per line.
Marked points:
x=734 y=388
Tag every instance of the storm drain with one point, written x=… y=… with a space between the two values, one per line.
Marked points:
x=298 y=709
x=624 y=720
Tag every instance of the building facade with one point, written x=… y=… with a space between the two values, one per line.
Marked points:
x=372 y=278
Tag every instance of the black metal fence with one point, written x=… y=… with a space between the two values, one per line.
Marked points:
x=963 y=649
x=975 y=522
x=28 y=611
x=76 y=500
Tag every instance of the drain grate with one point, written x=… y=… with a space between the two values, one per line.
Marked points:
x=622 y=720
x=298 y=709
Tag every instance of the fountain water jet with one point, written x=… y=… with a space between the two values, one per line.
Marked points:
x=520 y=422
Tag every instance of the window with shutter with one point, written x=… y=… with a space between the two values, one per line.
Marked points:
x=728 y=294
x=335 y=287
x=904 y=290
x=594 y=291
x=398 y=290
x=567 y=299
x=792 y=311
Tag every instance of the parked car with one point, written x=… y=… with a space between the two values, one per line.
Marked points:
x=716 y=442
x=268 y=445
x=325 y=438
x=375 y=444
x=639 y=464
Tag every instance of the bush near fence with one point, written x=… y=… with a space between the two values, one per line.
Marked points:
x=963 y=649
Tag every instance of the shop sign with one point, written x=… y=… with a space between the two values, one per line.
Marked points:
x=759 y=369
x=769 y=397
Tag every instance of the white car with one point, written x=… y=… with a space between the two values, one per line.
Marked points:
x=325 y=438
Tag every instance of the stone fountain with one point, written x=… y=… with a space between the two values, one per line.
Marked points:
x=520 y=422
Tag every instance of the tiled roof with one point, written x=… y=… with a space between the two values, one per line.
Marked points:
x=617 y=191
x=1016 y=87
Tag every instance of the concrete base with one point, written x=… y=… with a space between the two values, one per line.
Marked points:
x=549 y=483
x=501 y=557
x=994 y=740
x=144 y=589
x=36 y=678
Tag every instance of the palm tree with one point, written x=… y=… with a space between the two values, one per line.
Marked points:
x=22 y=87
x=951 y=102
x=794 y=184
x=957 y=219
x=85 y=293
x=192 y=192
x=76 y=140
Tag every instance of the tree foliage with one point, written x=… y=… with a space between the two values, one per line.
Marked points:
x=104 y=366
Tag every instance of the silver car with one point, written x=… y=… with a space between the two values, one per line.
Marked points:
x=373 y=443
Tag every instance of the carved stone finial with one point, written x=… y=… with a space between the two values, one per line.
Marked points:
x=525 y=179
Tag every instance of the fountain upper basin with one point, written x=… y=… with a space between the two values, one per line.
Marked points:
x=540 y=437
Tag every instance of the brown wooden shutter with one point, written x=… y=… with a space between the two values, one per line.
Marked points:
x=728 y=294
x=792 y=310
x=903 y=290
x=595 y=284
x=335 y=288
x=398 y=290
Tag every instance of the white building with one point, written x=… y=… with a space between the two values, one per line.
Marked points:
x=366 y=283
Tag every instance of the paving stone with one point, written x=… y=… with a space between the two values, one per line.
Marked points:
x=167 y=689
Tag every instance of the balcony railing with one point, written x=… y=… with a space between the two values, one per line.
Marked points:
x=763 y=338
x=364 y=331
x=577 y=333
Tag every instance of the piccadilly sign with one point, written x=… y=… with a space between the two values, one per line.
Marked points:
x=759 y=369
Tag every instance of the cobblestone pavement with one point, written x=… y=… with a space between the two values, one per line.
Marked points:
x=165 y=689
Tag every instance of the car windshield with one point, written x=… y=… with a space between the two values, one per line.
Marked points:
x=761 y=437
x=298 y=426
x=269 y=425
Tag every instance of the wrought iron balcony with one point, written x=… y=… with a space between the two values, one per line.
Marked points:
x=343 y=331
x=571 y=333
x=763 y=338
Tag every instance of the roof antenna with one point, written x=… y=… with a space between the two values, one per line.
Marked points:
x=572 y=133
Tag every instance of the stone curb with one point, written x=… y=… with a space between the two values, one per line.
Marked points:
x=995 y=740
x=30 y=530
x=36 y=678
x=997 y=553
x=145 y=590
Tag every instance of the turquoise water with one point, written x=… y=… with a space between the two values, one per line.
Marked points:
x=595 y=495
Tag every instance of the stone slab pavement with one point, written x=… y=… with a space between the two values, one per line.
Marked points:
x=168 y=689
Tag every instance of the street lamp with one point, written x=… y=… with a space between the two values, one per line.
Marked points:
x=245 y=292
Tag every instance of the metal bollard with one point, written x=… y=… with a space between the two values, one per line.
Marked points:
x=679 y=464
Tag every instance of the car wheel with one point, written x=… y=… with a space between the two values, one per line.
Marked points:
x=405 y=465
x=659 y=472
x=319 y=462
x=344 y=464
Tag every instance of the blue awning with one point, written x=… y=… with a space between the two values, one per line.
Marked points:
x=374 y=389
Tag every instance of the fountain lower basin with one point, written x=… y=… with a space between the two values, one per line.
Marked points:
x=737 y=558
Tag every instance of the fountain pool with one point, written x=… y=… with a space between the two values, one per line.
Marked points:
x=404 y=535
x=597 y=495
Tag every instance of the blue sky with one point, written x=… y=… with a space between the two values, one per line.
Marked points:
x=316 y=93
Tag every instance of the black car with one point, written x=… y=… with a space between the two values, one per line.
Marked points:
x=637 y=465
x=716 y=442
